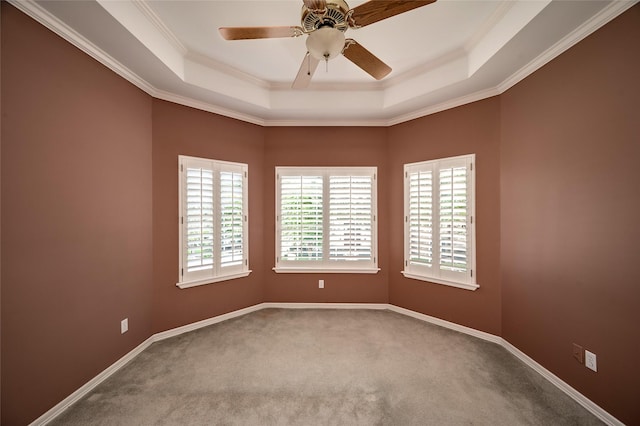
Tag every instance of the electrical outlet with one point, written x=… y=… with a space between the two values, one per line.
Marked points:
x=124 y=325
x=590 y=361
x=320 y=283
x=578 y=353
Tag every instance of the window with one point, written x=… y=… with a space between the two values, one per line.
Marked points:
x=439 y=209
x=213 y=221
x=326 y=219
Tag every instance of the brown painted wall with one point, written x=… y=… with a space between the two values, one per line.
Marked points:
x=325 y=146
x=0 y=217
x=76 y=217
x=179 y=130
x=556 y=168
x=472 y=128
x=570 y=200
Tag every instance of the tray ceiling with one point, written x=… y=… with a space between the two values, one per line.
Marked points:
x=443 y=55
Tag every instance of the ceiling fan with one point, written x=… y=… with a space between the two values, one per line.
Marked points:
x=324 y=22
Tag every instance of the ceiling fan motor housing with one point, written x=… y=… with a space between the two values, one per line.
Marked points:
x=334 y=16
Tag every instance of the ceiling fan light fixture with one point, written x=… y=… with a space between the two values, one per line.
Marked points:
x=325 y=43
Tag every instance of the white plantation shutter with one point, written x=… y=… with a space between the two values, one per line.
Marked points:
x=213 y=221
x=421 y=217
x=350 y=218
x=231 y=218
x=325 y=219
x=199 y=219
x=453 y=219
x=301 y=217
x=439 y=231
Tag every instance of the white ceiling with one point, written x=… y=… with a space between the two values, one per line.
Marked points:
x=443 y=55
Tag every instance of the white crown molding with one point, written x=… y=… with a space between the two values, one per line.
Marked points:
x=45 y=18
x=315 y=86
x=439 y=62
x=227 y=69
x=320 y=122
x=487 y=25
x=592 y=407
x=514 y=20
x=208 y=107
x=152 y=17
x=607 y=14
x=443 y=106
x=42 y=16
x=35 y=11
x=134 y=19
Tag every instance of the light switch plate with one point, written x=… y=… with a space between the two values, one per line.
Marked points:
x=590 y=361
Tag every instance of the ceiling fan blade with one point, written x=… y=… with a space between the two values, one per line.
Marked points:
x=365 y=59
x=306 y=71
x=315 y=4
x=377 y=10
x=247 y=33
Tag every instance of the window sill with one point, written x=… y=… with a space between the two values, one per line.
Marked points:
x=287 y=270
x=211 y=280
x=465 y=286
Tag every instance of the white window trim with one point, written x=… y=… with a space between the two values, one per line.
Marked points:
x=310 y=270
x=219 y=278
x=418 y=273
x=223 y=274
x=330 y=267
x=465 y=286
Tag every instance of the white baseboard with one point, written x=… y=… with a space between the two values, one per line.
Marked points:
x=287 y=305
x=204 y=323
x=90 y=385
x=591 y=406
x=559 y=383
x=447 y=324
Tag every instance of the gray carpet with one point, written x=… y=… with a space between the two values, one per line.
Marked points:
x=325 y=367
